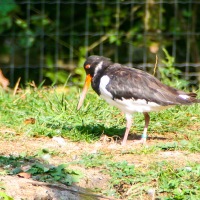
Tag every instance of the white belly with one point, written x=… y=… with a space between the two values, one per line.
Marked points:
x=127 y=105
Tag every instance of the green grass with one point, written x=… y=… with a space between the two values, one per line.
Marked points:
x=55 y=114
x=166 y=178
x=4 y=196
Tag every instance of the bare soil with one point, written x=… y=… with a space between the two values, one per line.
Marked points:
x=26 y=188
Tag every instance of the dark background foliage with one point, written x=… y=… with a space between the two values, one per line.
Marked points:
x=49 y=40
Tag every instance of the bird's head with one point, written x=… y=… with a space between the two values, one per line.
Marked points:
x=93 y=65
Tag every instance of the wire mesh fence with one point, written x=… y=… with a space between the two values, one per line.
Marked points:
x=41 y=38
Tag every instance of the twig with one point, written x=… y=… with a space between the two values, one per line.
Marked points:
x=102 y=39
x=62 y=188
x=155 y=67
x=16 y=86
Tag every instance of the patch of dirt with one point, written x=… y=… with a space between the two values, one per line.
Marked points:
x=22 y=188
x=194 y=127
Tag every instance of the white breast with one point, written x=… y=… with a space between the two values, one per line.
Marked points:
x=127 y=105
x=102 y=86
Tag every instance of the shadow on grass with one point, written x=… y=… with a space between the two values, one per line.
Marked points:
x=58 y=181
x=98 y=129
x=95 y=131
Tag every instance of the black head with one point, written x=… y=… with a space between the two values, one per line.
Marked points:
x=96 y=63
x=93 y=66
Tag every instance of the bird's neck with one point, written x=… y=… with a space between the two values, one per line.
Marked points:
x=96 y=80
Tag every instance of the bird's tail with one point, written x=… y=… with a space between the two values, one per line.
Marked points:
x=189 y=98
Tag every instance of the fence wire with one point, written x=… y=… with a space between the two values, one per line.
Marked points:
x=46 y=36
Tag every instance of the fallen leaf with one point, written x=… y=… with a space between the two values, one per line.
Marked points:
x=4 y=82
x=24 y=175
x=30 y=121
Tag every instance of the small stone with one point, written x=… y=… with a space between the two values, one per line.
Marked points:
x=59 y=140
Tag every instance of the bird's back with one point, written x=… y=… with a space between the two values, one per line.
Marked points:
x=130 y=83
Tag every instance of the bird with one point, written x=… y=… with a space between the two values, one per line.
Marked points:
x=131 y=90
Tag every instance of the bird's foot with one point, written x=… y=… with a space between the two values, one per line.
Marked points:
x=123 y=143
x=141 y=141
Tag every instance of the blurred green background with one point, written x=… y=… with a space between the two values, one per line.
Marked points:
x=49 y=40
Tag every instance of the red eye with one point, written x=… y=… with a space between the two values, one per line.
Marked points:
x=87 y=66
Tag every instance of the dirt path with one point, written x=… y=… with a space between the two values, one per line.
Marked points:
x=26 y=188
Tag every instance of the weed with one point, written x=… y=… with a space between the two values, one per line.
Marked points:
x=170 y=75
x=43 y=152
x=13 y=165
x=4 y=196
x=54 y=174
x=121 y=172
x=94 y=160
x=179 y=183
x=169 y=146
x=128 y=181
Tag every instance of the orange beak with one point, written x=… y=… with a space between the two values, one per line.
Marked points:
x=84 y=92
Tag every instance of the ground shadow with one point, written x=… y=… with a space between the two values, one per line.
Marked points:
x=52 y=180
x=98 y=129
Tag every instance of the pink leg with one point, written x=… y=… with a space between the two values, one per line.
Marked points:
x=128 y=127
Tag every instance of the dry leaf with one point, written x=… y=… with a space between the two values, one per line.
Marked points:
x=30 y=121
x=24 y=175
x=4 y=82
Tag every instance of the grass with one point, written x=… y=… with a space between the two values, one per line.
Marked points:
x=55 y=114
x=49 y=112
x=129 y=181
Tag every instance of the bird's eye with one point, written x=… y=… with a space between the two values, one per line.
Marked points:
x=87 y=66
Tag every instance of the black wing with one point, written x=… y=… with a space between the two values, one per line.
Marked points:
x=133 y=83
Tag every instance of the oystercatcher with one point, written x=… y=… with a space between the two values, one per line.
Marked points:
x=131 y=90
